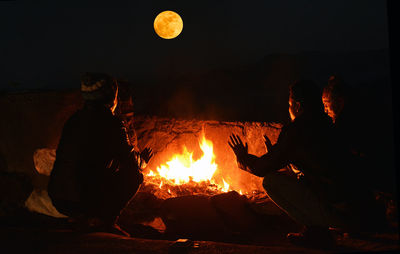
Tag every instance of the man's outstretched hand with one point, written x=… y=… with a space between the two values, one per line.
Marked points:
x=268 y=143
x=238 y=147
x=146 y=154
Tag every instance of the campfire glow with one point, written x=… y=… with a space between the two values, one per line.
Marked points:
x=182 y=168
x=182 y=174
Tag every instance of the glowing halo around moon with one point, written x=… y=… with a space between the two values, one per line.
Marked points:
x=168 y=25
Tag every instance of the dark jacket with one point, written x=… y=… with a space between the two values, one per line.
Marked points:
x=92 y=148
x=310 y=144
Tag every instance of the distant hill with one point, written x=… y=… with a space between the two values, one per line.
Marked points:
x=255 y=91
x=259 y=90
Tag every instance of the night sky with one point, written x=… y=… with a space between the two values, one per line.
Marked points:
x=49 y=44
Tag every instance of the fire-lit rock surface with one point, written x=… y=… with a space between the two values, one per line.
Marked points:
x=168 y=136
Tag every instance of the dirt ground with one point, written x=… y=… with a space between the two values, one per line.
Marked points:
x=18 y=240
x=27 y=232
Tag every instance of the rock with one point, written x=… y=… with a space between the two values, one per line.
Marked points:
x=192 y=216
x=247 y=216
x=40 y=202
x=44 y=159
x=234 y=210
x=157 y=224
x=142 y=209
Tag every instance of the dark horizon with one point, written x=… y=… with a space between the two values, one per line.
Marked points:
x=374 y=70
x=48 y=45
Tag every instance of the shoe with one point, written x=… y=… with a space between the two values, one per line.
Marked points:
x=316 y=237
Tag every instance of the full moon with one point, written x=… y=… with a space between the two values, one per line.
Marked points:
x=168 y=24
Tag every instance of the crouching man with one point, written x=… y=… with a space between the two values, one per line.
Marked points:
x=323 y=194
x=95 y=174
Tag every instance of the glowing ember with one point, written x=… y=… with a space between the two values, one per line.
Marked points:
x=195 y=175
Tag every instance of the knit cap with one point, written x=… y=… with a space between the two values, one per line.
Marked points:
x=97 y=86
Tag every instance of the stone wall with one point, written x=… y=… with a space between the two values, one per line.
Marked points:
x=33 y=121
x=168 y=136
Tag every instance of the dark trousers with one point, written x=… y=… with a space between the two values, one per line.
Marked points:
x=307 y=206
x=105 y=198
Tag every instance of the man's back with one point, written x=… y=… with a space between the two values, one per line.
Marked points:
x=92 y=145
x=310 y=144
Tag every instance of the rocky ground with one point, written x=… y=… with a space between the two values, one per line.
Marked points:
x=224 y=223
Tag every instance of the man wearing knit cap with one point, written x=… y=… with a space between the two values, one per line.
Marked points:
x=95 y=174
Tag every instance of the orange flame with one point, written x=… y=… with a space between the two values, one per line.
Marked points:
x=183 y=169
x=226 y=186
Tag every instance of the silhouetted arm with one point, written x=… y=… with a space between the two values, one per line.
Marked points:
x=275 y=159
x=124 y=153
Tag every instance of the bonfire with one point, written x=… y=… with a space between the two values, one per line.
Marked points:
x=183 y=175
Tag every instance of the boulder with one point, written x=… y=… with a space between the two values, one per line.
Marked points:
x=192 y=216
x=235 y=212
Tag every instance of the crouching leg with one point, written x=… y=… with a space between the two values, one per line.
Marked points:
x=298 y=200
x=302 y=204
x=123 y=187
